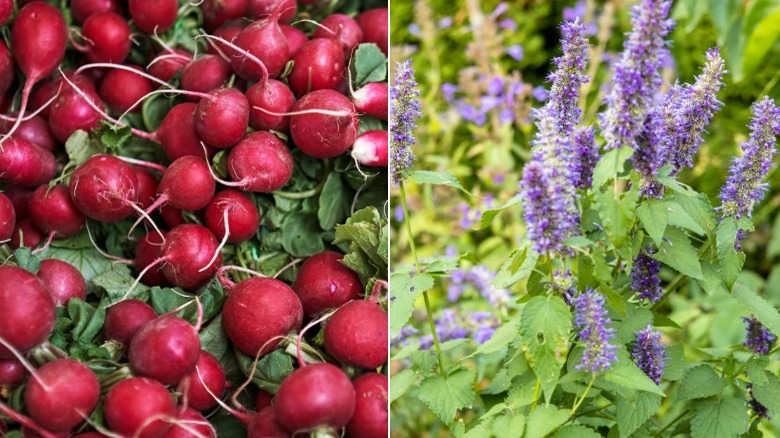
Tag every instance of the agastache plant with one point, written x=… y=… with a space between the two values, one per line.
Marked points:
x=649 y=353
x=637 y=77
x=758 y=339
x=644 y=278
x=591 y=319
x=404 y=113
x=745 y=185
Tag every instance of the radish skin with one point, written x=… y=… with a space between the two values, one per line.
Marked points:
x=370 y=148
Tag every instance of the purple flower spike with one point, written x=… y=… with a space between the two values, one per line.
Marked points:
x=404 y=112
x=591 y=319
x=649 y=353
x=515 y=51
x=568 y=77
x=760 y=410
x=637 y=76
x=586 y=155
x=759 y=340
x=644 y=278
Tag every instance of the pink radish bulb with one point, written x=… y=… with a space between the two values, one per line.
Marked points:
x=296 y=38
x=71 y=112
x=371 y=99
x=52 y=211
x=7 y=218
x=222 y=119
x=208 y=374
x=7 y=68
x=298 y=408
x=324 y=124
x=356 y=335
x=190 y=424
x=177 y=133
x=146 y=187
x=318 y=65
x=228 y=32
x=24 y=164
x=343 y=26
x=26 y=234
x=20 y=198
x=375 y=23
x=260 y=163
x=153 y=16
x=148 y=250
x=63 y=281
x=243 y=217
x=205 y=74
x=6 y=8
x=217 y=12
x=264 y=424
x=257 y=310
x=131 y=403
x=265 y=40
x=35 y=130
x=165 y=349
x=107 y=37
x=63 y=394
x=325 y=283
x=124 y=319
x=370 y=148
x=12 y=372
x=26 y=309
x=121 y=89
x=82 y=9
x=166 y=68
x=186 y=184
x=46 y=90
x=104 y=188
x=172 y=216
x=189 y=251
x=264 y=400
x=371 y=407
x=273 y=97
x=263 y=8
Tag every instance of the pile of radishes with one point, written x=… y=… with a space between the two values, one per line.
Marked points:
x=191 y=207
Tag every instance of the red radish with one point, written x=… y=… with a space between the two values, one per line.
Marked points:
x=7 y=218
x=19 y=197
x=38 y=37
x=243 y=217
x=64 y=392
x=172 y=216
x=356 y=335
x=274 y=97
x=371 y=99
x=52 y=211
x=177 y=133
x=186 y=184
x=264 y=400
x=153 y=16
x=12 y=372
x=121 y=89
x=107 y=37
x=371 y=417
x=82 y=9
x=295 y=38
x=298 y=408
x=35 y=130
x=265 y=41
x=375 y=23
x=221 y=120
x=148 y=250
x=26 y=234
x=228 y=32
x=205 y=74
x=104 y=188
x=262 y=8
x=26 y=310
x=207 y=374
x=6 y=8
x=347 y=29
x=132 y=403
x=187 y=251
x=7 y=68
x=72 y=111
x=146 y=187
x=63 y=280
x=325 y=283
x=259 y=163
x=318 y=65
x=370 y=148
x=124 y=318
x=324 y=124
x=167 y=65
x=165 y=349
x=258 y=310
x=190 y=424
x=217 y=12
x=265 y=425
x=24 y=164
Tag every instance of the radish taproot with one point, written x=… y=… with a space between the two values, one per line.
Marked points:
x=7 y=69
x=260 y=163
x=132 y=404
x=63 y=281
x=12 y=372
x=207 y=377
x=324 y=283
x=189 y=423
x=25 y=164
x=104 y=188
x=296 y=38
x=153 y=16
x=264 y=424
x=188 y=255
x=222 y=118
x=124 y=318
x=273 y=97
x=356 y=335
x=343 y=27
x=371 y=99
x=263 y=8
x=107 y=37
x=35 y=130
x=371 y=148
x=264 y=40
x=26 y=309
x=121 y=90
x=217 y=12
x=231 y=215
x=324 y=124
x=82 y=9
x=375 y=23
x=165 y=349
x=317 y=65
x=53 y=211
x=26 y=234
x=7 y=218
x=204 y=74
x=371 y=417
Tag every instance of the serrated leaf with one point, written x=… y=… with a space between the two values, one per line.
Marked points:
x=116 y=284
x=617 y=212
x=437 y=178
x=763 y=311
x=653 y=216
x=635 y=410
x=26 y=260
x=400 y=383
x=719 y=418
x=271 y=369
x=768 y=394
x=79 y=147
x=368 y=64
x=729 y=259
x=489 y=215
x=576 y=431
x=517 y=267
x=213 y=338
x=626 y=375
x=521 y=391
x=543 y=420
x=700 y=381
x=509 y=425
x=545 y=326
x=445 y=395
x=635 y=321
x=674 y=367
x=405 y=287
x=698 y=208
x=677 y=252
x=712 y=282
x=611 y=164
x=754 y=368
x=79 y=252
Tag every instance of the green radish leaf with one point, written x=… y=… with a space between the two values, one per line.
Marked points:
x=368 y=64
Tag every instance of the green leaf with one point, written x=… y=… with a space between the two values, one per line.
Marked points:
x=677 y=252
x=79 y=252
x=437 y=178
x=545 y=326
x=698 y=208
x=543 y=420
x=754 y=368
x=712 y=282
x=762 y=36
x=116 y=282
x=611 y=164
x=730 y=260
x=719 y=418
x=768 y=394
x=26 y=260
x=509 y=425
x=302 y=236
x=522 y=390
x=516 y=268
x=80 y=148
x=368 y=64
x=626 y=375
x=653 y=216
x=636 y=320
x=674 y=367
x=763 y=311
x=489 y=215
x=334 y=205
x=365 y=232
x=445 y=395
x=576 y=431
x=271 y=369
x=773 y=249
x=213 y=338
x=400 y=383
x=700 y=381
x=618 y=212
x=405 y=287
x=633 y=411
x=87 y=320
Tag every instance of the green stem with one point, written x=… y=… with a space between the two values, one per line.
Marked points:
x=428 y=308
x=537 y=388
x=676 y=419
x=584 y=394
